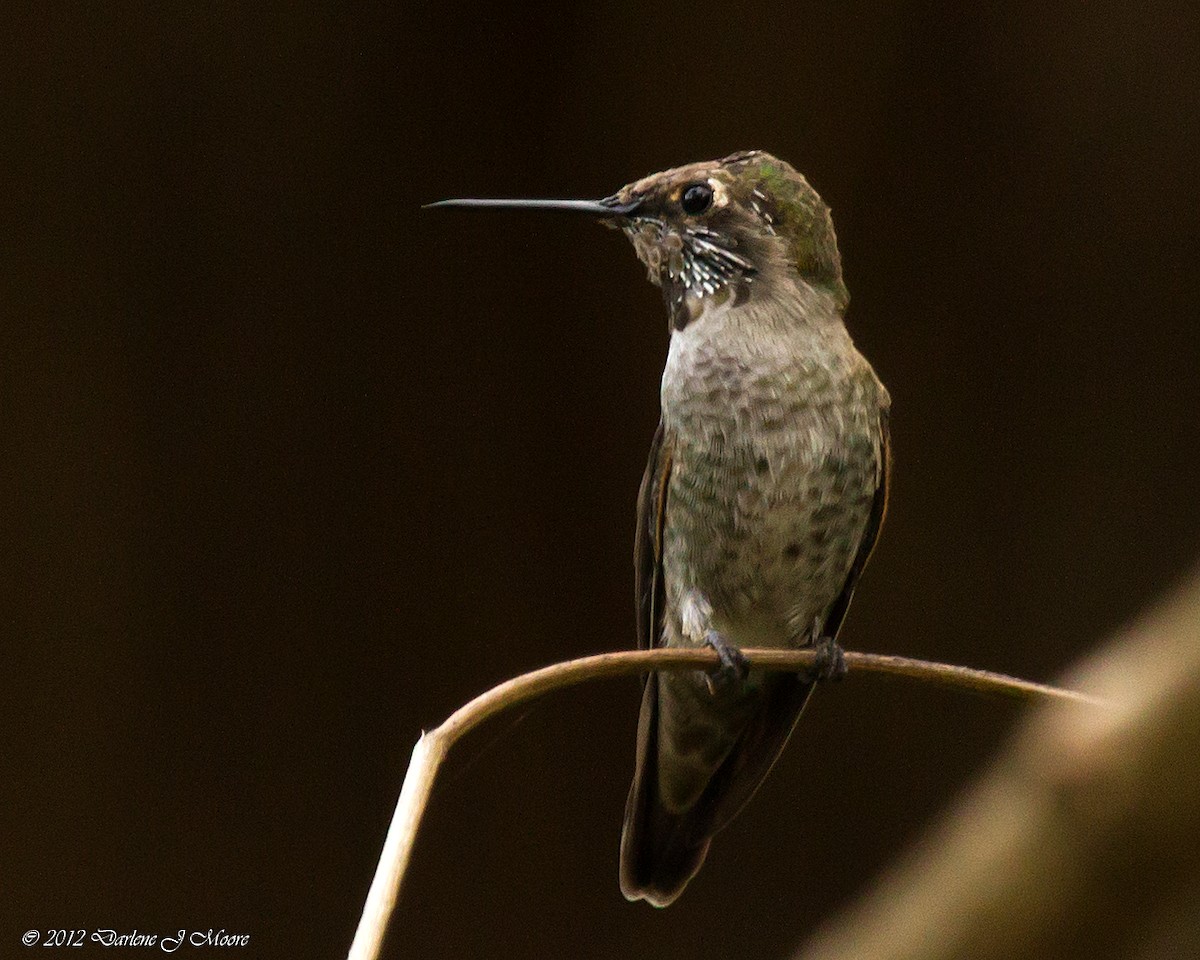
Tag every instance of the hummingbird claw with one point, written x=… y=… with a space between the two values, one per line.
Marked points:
x=733 y=669
x=830 y=663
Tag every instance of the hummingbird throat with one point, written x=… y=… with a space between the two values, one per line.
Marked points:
x=692 y=265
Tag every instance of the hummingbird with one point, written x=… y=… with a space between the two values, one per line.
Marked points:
x=764 y=492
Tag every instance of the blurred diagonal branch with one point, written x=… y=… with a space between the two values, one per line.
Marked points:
x=432 y=747
x=1083 y=839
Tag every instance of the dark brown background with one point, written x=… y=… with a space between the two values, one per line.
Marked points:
x=292 y=469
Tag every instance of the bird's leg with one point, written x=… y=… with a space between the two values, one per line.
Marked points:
x=830 y=662
x=696 y=622
x=733 y=669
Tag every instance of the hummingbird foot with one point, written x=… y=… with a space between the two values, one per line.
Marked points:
x=733 y=669
x=830 y=662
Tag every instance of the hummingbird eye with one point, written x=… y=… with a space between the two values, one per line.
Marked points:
x=696 y=198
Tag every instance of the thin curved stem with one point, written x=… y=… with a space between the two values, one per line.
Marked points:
x=433 y=745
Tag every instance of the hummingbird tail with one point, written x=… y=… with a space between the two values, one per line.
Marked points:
x=659 y=855
x=661 y=851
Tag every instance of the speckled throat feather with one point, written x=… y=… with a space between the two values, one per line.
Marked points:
x=689 y=262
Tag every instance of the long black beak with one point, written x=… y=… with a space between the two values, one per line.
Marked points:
x=608 y=207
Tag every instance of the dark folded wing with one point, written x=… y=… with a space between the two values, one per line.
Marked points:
x=647 y=548
x=837 y=613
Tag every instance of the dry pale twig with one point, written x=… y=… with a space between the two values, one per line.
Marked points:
x=433 y=745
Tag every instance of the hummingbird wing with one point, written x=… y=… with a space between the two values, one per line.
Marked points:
x=837 y=613
x=647 y=543
x=645 y=856
x=660 y=850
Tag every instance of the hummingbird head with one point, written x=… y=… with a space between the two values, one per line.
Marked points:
x=712 y=233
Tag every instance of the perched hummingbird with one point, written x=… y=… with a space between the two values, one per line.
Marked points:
x=764 y=492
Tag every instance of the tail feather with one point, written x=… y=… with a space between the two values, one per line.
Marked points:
x=658 y=857
x=661 y=851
